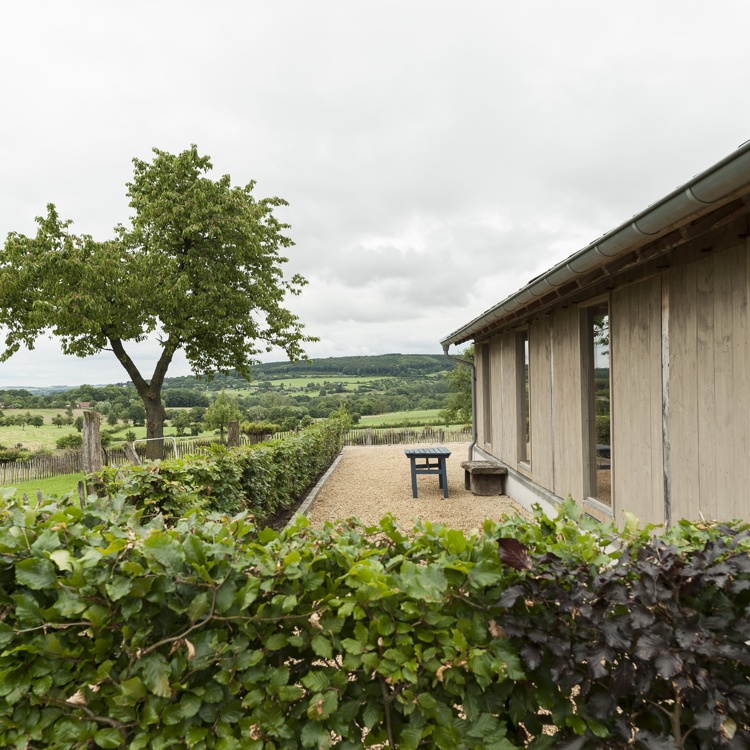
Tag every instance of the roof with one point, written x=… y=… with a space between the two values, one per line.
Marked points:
x=707 y=191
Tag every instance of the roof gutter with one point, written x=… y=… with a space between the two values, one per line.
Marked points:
x=705 y=189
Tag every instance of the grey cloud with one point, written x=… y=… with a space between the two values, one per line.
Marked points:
x=436 y=156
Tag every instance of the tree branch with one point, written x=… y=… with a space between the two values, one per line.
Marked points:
x=130 y=367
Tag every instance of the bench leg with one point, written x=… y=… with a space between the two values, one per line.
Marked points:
x=413 y=478
x=444 y=478
x=467 y=480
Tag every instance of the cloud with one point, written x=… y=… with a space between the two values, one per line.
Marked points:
x=435 y=156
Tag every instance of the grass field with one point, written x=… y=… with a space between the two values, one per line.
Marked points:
x=36 y=438
x=53 y=486
x=419 y=416
x=350 y=383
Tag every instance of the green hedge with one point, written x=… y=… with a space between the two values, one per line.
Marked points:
x=261 y=478
x=211 y=635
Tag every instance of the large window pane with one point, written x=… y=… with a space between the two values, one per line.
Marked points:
x=524 y=397
x=599 y=406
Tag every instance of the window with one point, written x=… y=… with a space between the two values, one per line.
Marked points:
x=597 y=407
x=524 y=397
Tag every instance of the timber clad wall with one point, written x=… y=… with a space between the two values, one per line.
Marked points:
x=680 y=389
x=637 y=399
x=708 y=386
x=540 y=386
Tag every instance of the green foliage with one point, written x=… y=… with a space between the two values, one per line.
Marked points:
x=200 y=263
x=261 y=478
x=222 y=411
x=459 y=406
x=69 y=441
x=259 y=428
x=11 y=455
x=211 y=634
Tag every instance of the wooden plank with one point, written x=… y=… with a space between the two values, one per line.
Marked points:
x=568 y=449
x=507 y=419
x=683 y=392
x=540 y=386
x=706 y=364
x=653 y=299
x=622 y=398
x=726 y=423
x=636 y=400
x=741 y=372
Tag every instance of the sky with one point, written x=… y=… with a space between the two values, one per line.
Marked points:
x=435 y=155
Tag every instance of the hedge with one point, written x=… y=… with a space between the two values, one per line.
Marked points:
x=118 y=631
x=263 y=478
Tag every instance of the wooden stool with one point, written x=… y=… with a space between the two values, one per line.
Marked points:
x=483 y=477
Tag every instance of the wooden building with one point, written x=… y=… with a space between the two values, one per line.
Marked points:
x=621 y=376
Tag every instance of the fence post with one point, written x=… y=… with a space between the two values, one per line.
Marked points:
x=129 y=450
x=233 y=434
x=92 y=444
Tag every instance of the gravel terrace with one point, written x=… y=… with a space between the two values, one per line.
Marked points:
x=372 y=481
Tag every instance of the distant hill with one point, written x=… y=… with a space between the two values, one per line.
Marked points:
x=381 y=364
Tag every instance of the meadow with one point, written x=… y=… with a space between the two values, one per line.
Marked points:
x=44 y=437
x=350 y=383
x=418 y=416
x=59 y=485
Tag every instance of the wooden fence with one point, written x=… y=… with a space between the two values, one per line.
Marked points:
x=43 y=467
x=405 y=436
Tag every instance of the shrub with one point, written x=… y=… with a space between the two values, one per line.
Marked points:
x=211 y=635
x=262 y=478
x=11 y=455
x=259 y=428
x=69 y=441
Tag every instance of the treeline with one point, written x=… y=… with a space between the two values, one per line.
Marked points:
x=394 y=365
x=286 y=407
x=381 y=365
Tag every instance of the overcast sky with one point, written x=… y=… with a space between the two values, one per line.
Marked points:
x=436 y=155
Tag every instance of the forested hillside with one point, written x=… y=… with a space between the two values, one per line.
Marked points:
x=381 y=365
x=280 y=392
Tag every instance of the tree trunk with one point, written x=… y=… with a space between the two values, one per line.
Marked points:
x=233 y=434
x=155 y=416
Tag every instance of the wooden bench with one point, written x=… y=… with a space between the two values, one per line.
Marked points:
x=483 y=477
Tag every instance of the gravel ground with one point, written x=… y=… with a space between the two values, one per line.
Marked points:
x=372 y=481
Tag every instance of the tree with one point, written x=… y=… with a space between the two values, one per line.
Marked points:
x=221 y=412
x=181 y=422
x=458 y=408
x=198 y=266
x=58 y=420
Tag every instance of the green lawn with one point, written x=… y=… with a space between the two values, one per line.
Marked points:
x=418 y=416
x=36 y=438
x=58 y=485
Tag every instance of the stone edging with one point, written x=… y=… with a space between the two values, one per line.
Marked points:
x=306 y=507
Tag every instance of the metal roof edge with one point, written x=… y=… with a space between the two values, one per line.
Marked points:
x=703 y=190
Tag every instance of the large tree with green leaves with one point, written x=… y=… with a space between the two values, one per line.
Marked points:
x=458 y=408
x=198 y=267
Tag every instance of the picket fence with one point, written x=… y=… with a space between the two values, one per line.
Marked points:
x=43 y=467
x=406 y=436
